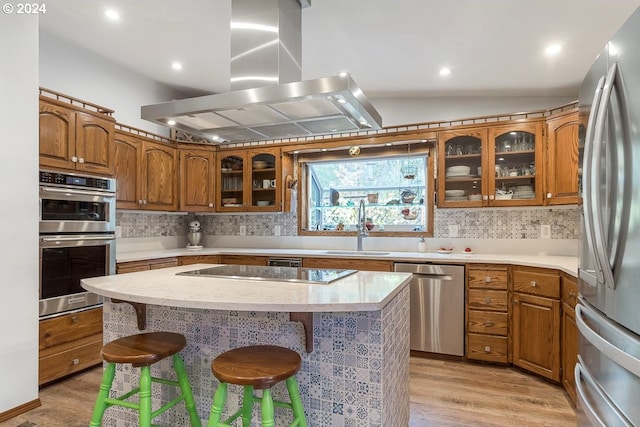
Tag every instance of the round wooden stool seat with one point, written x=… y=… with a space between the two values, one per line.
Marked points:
x=259 y=366
x=143 y=349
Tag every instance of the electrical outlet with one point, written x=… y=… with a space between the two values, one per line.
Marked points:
x=453 y=230
x=276 y=230
x=243 y=230
x=118 y=231
x=545 y=231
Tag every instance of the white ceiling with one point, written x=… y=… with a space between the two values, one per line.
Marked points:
x=391 y=48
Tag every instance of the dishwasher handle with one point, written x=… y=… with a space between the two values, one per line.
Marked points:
x=433 y=276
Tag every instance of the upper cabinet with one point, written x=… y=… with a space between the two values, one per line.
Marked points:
x=197 y=177
x=249 y=180
x=73 y=138
x=146 y=172
x=562 y=159
x=491 y=166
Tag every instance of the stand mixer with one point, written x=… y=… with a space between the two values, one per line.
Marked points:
x=194 y=235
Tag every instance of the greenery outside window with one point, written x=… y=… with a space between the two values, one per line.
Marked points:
x=393 y=183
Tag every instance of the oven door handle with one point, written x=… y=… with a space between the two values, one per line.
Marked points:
x=75 y=238
x=75 y=191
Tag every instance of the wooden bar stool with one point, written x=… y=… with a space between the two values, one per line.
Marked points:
x=257 y=367
x=142 y=351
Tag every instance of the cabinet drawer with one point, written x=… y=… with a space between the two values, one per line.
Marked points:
x=198 y=259
x=487 y=347
x=487 y=322
x=83 y=354
x=569 y=291
x=545 y=283
x=482 y=299
x=163 y=263
x=487 y=278
x=69 y=327
x=244 y=259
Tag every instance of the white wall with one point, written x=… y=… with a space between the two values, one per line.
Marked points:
x=19 y=224
x=68 y=68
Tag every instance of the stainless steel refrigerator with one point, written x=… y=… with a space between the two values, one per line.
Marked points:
x=608 y=310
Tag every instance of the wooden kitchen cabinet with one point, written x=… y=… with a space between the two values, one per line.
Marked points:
x=197 y=178
x=536 y=321
x=249 y=180
x=348 y=264
x=145 y=170
x=487 y=313
x=198 y=259
x=244 y=259
x=144 y=265
x=69 y=343
x=493 y=165
x=569 y=335
x=75 y=138
x=562 y=159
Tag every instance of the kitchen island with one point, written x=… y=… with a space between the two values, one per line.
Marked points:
x=355 y=373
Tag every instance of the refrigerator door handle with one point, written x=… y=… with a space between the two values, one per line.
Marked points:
x=601 y=249
x=582 y=374
x=622 y=358
x=587 y=166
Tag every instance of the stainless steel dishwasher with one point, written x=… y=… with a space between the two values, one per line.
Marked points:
x=437 y=307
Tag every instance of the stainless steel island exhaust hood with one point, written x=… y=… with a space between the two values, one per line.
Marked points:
x=266 y=47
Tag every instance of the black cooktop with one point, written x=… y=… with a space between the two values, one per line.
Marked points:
x=284 y=274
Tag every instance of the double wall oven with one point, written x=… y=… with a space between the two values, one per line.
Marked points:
x=77 y=238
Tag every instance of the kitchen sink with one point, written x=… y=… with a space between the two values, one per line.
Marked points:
x=356 y=253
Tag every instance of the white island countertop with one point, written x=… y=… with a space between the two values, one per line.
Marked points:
x=361 y=291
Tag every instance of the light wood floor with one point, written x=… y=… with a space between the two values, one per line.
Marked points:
x=443 y=393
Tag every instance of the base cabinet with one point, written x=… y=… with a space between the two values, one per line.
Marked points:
x=348 y=264
x=569 y=336
x=144 y=265
x=69 y=343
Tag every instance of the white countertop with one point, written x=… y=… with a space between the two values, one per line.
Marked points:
x=568 y=264
x=362 y=291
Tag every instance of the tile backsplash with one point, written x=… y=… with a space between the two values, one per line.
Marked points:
x=516 y=223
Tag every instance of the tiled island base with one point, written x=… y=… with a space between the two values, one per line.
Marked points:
x=356 y=376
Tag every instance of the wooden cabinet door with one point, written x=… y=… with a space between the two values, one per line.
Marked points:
x=569 y=350
x=158 y=177
x=536 y=335
x=57 y=136
x=231 y=183
x=562 y=159
x=127 y=171
x=94 y=144
x=196 y=180
x=265 y=168
x=244 y=259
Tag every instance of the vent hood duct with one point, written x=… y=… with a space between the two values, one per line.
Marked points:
x=266 y=49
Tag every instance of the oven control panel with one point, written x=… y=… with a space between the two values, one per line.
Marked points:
x=76 y=181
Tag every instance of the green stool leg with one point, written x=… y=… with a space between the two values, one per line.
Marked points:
x=247 y=406
x=296 y=402
x=219 y=399
x=145 y=397
x=267 y=409
x=185 y=387
x=105 y=388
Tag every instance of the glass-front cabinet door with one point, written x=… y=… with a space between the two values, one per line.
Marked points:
x=461 y=167
x=515 y=156
x=266 y=180
x=231 y=183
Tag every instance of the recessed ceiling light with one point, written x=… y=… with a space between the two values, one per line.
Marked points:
x=445 y=71
x=112 y=14
x=171 y=122
x=176 y=66
x=553 y=49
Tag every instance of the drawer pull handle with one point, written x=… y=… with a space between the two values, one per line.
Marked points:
x=74 y=319
x=533 y=283
x=487 y=279
x=75 y=362
x=515 y=301
x=487 y=300
x=487 y=349
x=488 y=323
x=572 y=294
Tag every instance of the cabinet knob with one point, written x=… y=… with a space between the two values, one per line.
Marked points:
x=75 y=362
x=487 y=300
x=485 y=197
x=549 y=195
x=488 y=323
x=487 y=349
x=491 y=197
x=515 y=301
x=533 y=283
x=139 y=201
x=210 y=205
x=74 y=159
x=74 y=319
x=487 y=279
x=572 y=294
x=144 y=202
x=80 y=159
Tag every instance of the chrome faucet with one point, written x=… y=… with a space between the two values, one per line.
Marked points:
x=363 y=231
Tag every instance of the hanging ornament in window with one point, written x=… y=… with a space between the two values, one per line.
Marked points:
x=408 y=169
x=354 y=150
